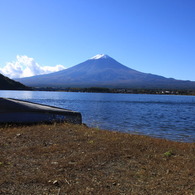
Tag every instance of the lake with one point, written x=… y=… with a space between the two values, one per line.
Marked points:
x=164 y=116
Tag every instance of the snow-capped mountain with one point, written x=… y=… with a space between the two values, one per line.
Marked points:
x=98 y=56
x=103 y=71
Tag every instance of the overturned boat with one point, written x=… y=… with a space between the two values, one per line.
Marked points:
x=24 y=112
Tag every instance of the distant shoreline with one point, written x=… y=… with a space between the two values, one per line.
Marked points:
x=117 y=90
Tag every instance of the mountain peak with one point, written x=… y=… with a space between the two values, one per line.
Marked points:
x=99 y=56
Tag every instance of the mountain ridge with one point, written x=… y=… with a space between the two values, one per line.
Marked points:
x=104 y=71
x=9 y=84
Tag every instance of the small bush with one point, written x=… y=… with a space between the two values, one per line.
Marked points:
x=168 y=154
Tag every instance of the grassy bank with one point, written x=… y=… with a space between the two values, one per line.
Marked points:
x=73 y=159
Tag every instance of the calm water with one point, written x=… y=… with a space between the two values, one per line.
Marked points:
x=164 y=116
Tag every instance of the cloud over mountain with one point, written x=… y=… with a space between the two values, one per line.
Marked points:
x=25 y=66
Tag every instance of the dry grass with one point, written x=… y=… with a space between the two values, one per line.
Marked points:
x=73 y=159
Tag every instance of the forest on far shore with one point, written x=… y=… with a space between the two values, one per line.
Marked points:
x=122 y=90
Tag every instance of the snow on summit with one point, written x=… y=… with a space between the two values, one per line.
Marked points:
x=98 y=56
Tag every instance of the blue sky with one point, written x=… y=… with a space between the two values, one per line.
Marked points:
x=152 y=36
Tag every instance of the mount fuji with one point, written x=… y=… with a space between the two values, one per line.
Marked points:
x=104 y=71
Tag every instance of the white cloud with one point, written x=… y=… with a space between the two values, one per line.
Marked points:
x=25 y=66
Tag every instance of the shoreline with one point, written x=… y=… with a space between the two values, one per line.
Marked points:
x=75 y=159
x=187 y=92
x=18 y=125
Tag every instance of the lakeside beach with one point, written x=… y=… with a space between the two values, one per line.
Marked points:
x=97 y=97
x=75 y=159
